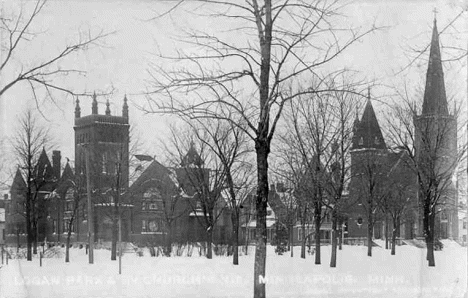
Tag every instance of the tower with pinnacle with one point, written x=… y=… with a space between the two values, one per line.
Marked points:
x=369 y=156
x=105 y=139
x=436 y=143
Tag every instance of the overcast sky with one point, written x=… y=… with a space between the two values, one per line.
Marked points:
x=122 y=64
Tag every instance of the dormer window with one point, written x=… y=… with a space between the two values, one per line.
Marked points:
x=361 y=141
x=376 y=141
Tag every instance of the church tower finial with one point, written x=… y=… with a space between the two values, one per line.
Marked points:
x=125 y=108
x=108 y=112
x=94 y=109
x=77 y=109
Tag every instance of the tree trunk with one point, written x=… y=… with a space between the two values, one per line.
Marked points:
x=169 y=240
x=340 y=236
x=115 y=234
x=235 y=237
x=428 y=222
x=17 y=239
x=35 y=233
x=291 y=240
x=334 y=239
x=29 y=231
x=370 y=226
x=67 y=249
x=394 y=232
x=209 y=253
x=303 y=243
x=386 y=233
x=317 y=219
x=430 y=241
x=262 y=150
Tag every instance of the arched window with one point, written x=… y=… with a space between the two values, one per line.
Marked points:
x=151 y=199
x=361 y=141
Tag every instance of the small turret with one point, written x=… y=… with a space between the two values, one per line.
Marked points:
x=94 y=109
x=108 y=112
x=125 y=108
x=77 y=109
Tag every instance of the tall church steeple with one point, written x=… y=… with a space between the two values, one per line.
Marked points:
x=435 y=100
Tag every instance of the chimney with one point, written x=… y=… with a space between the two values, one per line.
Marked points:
x=56 y=163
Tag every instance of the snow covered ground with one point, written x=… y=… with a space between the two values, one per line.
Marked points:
x=383 y=275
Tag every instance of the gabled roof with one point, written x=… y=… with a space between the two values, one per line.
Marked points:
x=67 y=172
x=154 y=173
x=435 y=100
x=43 y=169
x=368 y=134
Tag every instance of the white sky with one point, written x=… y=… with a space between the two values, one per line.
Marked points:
x=122 y=64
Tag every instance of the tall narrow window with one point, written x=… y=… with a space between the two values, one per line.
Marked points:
x=104 y=163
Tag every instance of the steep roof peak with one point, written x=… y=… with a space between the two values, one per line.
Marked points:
x=192 y=158
x=435 y=99
x=367 y=133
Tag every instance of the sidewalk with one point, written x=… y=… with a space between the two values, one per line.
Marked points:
x=12 y=284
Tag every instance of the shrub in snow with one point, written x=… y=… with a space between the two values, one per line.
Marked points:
x=281 y=239
x=438 y=245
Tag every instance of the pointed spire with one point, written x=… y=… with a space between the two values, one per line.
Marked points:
x=125 y=108
x=43 y=169
x=18 y=181
x=368 y=133
x=435 y=99
x=108 y=112
x=192 y=158
x=77 y=109
x=94 y=106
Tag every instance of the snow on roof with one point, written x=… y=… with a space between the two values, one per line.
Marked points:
x=197 y=213
x=253 y=223
x=112 y=204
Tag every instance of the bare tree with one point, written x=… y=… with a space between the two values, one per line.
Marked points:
x=228 y=142
x=433 y=155
x=317 y=140
x=371 y=188
x=339 y=164
x=401 y=187
x=253 y=75
x=74 y=203
x=201 y=176
x=28 y=144
x=17 y=29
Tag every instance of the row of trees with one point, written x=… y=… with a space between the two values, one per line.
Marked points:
x=268 y=60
